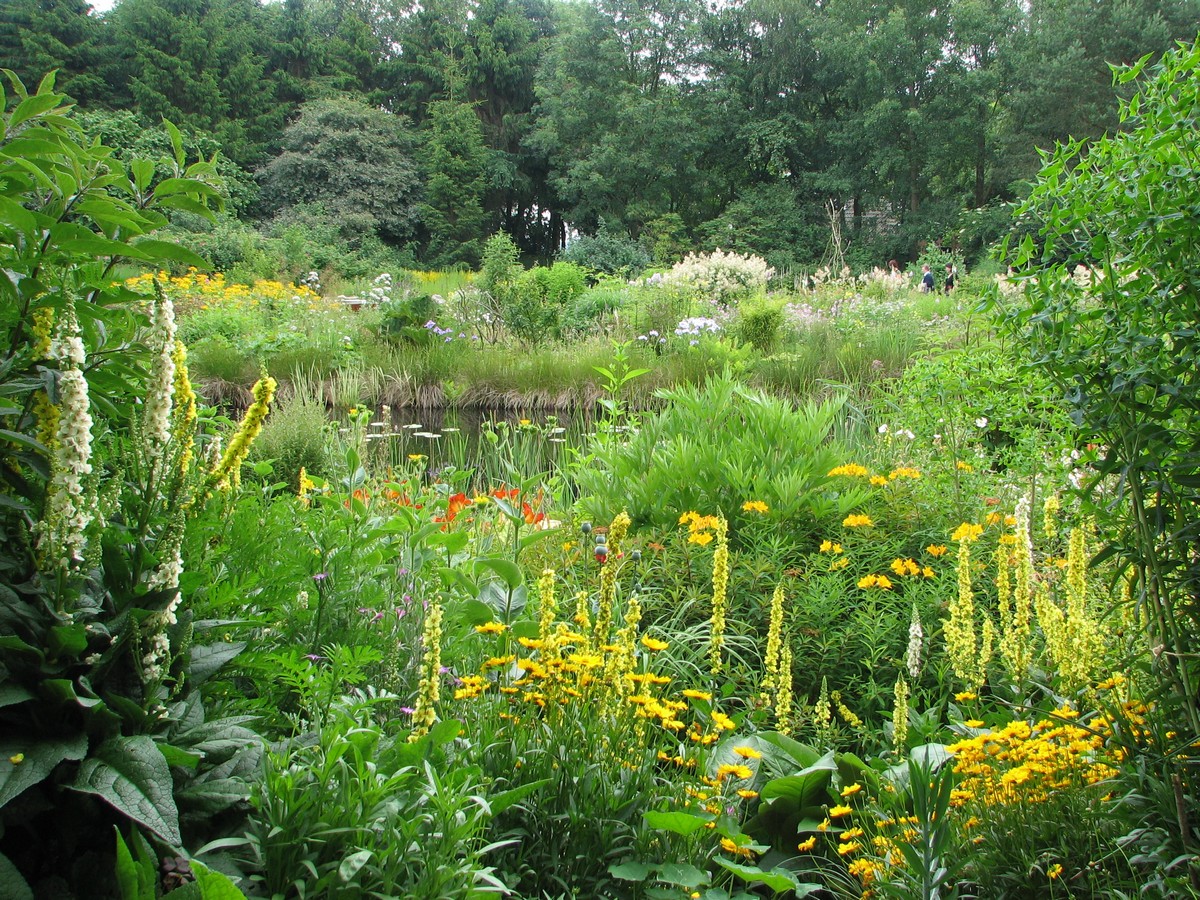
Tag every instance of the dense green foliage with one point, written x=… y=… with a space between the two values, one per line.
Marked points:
x=677 y=124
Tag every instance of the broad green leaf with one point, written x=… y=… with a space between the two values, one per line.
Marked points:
x=803 y=789
x=131 y=775
x=683 y=874
x=204 y=661
x=12 y=885
x=630 y=871
x=508 y=570
x=351 y=864
x=176 y=141
x=677 y=822
x=776 y=879
x=33 y=106
x=24 y=763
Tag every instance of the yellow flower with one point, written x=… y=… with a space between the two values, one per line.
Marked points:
x=747 y=753
x=836 y=812
x=964 y=467
x=703 y=538
x=936 y=549
x=416 y=457
x=491 y=628
x=905 y=472
x=965 y=696
x=653 y=643
x=967 y=531
x=857 y=520
x=1054 y=871
x=851 y=789
x=693 y=694
x=730 y=847
x=851 y=469
x=878 y=481
x=755 y=506
x=847 y=849
x=807 y=844
x=722 y=721
x=747 y=794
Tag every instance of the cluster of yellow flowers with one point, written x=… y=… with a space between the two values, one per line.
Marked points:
x=855 y=470
x=701 y=529
x=196 y=291
x=1022 y=763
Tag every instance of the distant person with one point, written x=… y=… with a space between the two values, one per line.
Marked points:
x=926 y=280
x=948 y=285
x=893 y=268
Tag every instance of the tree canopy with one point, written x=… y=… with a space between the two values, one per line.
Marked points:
x=718 y=126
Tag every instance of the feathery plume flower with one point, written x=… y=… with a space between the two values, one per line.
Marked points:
x=70 y=507
x=916 y=636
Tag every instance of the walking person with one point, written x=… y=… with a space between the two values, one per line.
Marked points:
x=948 y=285
x=926 y=280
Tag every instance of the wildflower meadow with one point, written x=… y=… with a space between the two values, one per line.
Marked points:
x=709 y=582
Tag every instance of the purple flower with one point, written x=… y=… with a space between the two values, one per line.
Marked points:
x=320 y=576
x=407 y=710
x=314 y=657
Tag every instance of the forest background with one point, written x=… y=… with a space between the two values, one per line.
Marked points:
x=364 y=135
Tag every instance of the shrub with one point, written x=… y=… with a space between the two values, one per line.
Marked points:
x=609 y=252
x=295 y=437
x=722 y=278
x=716 y=446
x=759 y=325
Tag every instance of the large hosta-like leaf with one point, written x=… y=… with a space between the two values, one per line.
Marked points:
x=131 y=775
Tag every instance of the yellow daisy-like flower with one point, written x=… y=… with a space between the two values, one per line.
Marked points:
x=965 y=696
x=491 y=628
x=693 y=694
x=747 y=753
x=847 y=849
x=747 y=794
x=735 y=770
x=755 y=506
x=807 y=844
x=836 y=812
x=963 y=466
x=722 y=721
x=851 y=789
x=416 y=457
x=653 y=643
x=857 y=520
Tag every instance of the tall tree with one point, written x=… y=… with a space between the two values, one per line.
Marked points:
x=38 y=36
x=350 y=163
x=456 y=164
